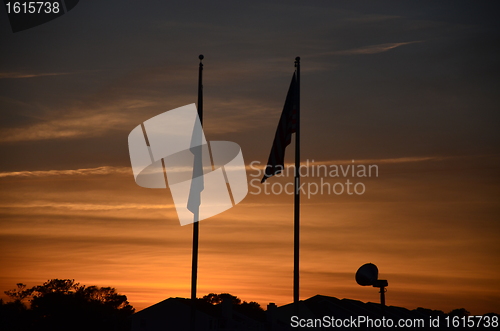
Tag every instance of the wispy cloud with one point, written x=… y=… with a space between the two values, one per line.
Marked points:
x=372 y=49
x=72 y=126
x=362 y=161
x=79 y=122
x=385 y=161
x=15 y=75
x=105 y=170
x=87 y=206
x=108 y=170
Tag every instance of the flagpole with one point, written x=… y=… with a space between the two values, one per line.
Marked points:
x=196 y=223
x=296 y=214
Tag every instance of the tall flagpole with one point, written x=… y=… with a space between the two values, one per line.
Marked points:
x=196 y=223
x=296 y=213
x=196 y=215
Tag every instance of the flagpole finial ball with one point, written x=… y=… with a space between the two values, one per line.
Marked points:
x=201 y=57
x=297 y=58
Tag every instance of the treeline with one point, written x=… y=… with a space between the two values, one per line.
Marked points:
x=62 y=304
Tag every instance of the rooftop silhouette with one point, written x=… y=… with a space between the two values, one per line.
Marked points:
x=315 y=313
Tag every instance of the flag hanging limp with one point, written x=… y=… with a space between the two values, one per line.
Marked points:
x=286 y=126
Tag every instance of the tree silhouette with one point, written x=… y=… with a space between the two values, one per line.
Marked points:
x=20 y=293
x=62 y=304
x=459 y=312
x=216 y=299
x=252 y=308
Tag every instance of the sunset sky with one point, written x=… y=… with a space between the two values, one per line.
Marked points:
x=409 y=87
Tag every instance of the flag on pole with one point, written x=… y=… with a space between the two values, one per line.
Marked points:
x=197 y=183
x=289 y=123
x=286 y=126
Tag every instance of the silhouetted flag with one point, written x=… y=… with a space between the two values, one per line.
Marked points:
x=286 y=126
x=197 y=183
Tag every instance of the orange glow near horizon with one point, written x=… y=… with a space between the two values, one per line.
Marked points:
x=104 y=230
